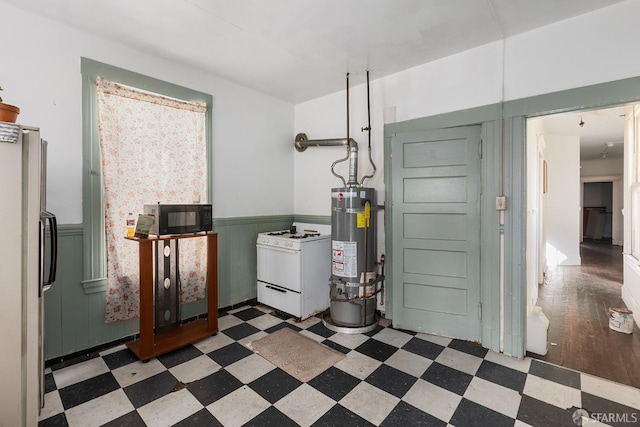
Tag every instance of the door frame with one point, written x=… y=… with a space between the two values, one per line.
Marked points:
x=503 y=173
x=488 y=117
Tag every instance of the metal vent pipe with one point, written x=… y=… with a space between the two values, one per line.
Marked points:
x=302 y=143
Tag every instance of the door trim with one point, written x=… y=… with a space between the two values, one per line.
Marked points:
x=515 y=113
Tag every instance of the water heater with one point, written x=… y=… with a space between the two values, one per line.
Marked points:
x=353 y=260
x=354 y=284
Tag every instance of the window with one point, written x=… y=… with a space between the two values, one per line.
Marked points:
x=93 y=197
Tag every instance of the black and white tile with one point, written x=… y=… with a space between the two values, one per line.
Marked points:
x=388 y=377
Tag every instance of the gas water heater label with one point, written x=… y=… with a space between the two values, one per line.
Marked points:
x=344 y=258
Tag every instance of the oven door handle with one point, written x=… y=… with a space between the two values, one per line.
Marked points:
x=276 y=248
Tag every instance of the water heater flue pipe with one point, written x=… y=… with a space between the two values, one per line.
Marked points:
x=302 y=143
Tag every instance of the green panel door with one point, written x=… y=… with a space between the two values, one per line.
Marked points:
x=436 y=231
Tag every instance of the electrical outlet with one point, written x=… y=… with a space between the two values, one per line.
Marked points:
x=501 y=203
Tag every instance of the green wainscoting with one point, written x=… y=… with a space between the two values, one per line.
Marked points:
x=74 y=313
x=74 y=310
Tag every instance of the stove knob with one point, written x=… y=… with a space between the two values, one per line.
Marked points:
x=276 y=243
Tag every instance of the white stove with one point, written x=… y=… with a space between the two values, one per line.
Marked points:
x=294 y=240
x=294 y=267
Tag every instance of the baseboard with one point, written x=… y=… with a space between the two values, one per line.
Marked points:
x=572 y=261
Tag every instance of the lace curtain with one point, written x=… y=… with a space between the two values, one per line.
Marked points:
x=153 y=150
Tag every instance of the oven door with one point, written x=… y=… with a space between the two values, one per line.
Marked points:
x=280 y=266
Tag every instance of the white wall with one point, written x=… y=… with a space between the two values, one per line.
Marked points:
x=569 y=54
x=41 y=74
x=588 y=49
x=602 y=167
x=562 y=200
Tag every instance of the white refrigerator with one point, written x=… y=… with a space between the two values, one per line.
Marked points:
x=28 y=258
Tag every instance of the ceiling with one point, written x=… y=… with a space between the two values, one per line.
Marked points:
x=297 y=50
x=602 y=131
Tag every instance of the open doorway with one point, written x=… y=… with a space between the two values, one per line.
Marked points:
x=575 y=240
x=597 y=212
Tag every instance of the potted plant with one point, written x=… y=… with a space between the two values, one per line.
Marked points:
x=8 y=113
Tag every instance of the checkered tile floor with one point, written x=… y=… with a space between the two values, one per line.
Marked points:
x=388 y=378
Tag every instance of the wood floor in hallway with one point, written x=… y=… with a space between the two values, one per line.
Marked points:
x=576 y=299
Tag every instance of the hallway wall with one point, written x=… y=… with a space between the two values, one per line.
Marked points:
x=562 y=200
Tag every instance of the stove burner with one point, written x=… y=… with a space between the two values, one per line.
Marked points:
x=287 y=235
x=304 y=236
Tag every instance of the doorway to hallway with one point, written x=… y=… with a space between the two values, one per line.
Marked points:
x=576 y=299
x=577 y=274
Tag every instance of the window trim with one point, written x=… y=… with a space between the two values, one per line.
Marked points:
x=94 y=258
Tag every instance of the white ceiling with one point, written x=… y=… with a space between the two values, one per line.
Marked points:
x=602 y=131
x=298 y=50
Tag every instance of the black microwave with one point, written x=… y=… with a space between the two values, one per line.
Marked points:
x=179 y=218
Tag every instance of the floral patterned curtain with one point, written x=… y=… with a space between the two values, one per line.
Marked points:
x=153 y=150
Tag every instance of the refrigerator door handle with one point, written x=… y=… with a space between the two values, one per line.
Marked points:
x=53 y=261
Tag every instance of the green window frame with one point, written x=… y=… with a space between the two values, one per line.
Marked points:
x=94 y=258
